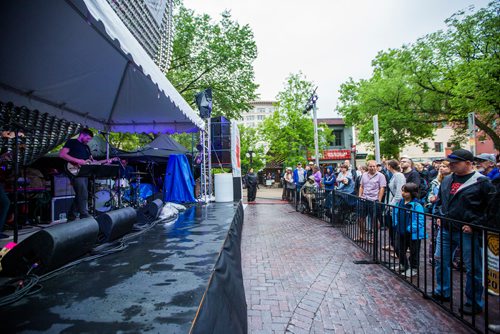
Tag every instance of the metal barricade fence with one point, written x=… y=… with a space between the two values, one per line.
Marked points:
x=455 y=264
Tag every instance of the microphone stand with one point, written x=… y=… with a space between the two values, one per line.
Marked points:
x=16 y=183
x=108 y=145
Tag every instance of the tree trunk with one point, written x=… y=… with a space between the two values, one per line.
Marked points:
x=490 y=132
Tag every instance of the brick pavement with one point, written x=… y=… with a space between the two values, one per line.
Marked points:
x=299 y=277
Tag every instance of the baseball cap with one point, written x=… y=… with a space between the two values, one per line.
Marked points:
x=311 y=163
x=485 y=157
x=460 y=155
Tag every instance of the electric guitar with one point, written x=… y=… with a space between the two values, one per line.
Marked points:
x=73 y=169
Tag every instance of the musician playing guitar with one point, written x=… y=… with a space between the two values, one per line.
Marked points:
x=77 y=153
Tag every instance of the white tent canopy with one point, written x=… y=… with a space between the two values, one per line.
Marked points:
x=75 y=59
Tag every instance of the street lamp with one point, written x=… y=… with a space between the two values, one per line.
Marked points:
x=311 y=104
x=250 y=154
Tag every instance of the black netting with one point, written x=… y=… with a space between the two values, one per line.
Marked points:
x=40 y=132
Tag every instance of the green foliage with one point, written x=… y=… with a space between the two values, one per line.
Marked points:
x=129 y=141
x=212 y=54
x=188 y=140
x=440 y=78
x=218 y=170
x=289 y=132
x=249 y=141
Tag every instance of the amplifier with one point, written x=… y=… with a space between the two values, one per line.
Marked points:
x=60 y=206
x=61 y=186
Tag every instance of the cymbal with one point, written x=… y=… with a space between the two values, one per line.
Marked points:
x=143 y=173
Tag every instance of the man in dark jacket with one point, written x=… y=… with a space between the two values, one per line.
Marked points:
x=251 y=180
x=463 y=196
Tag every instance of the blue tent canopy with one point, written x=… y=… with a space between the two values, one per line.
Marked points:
x=179 y=181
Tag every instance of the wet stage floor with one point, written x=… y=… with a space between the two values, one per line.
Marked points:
x=154 y=285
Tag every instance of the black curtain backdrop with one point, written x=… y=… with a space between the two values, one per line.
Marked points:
x=223 y=308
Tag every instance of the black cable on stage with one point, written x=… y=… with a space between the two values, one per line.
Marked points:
x=18 y=288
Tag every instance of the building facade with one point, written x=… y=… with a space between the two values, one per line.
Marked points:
x=340 y=149
x=260 y=110
x=436 y=147
x=150 y=21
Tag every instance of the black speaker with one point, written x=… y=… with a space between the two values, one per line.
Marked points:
x=222 y=156
x=51 y=247
x=220 y=127
x=154 y=208
x=115 y=224
x=150 y=212
x=204 y=103
x=221 y=143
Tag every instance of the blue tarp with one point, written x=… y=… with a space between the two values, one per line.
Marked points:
x=179 y=181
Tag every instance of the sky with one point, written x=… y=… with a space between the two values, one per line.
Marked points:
x=329 y=40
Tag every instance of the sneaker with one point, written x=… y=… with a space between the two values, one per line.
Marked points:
x=467 y=309
x=5 y=237
x=439 y=297
x=397 y=267
x=494 y=328
x=388 y=248
x=410 y=272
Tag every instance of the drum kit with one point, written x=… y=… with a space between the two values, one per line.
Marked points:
x=111 y=194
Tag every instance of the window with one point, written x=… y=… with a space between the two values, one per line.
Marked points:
x=262 y=110
x=339 y=136
x=438 y=147
x=250 y=118
x=260 y=117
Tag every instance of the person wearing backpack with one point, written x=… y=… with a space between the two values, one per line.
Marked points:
x=409 y=224
x=395 y=185
x=423 y=185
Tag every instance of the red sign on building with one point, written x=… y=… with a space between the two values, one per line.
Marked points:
x=334 y=155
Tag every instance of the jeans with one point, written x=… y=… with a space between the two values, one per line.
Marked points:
x=4 y=207
x=80 y=203
x=446 y=244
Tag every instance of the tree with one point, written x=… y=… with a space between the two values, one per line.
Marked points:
x=129 y=141
x=290 y=132
x=248 y=139
x=212 y=54
x=440 y=78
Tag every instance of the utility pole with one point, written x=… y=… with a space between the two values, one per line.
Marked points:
x=471 y=122
x=315 y=118
x=376 y=137
x=311 y=104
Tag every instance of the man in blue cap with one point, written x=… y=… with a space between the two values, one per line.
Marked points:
x=463 y=196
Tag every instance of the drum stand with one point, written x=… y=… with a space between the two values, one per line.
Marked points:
x=135 y=194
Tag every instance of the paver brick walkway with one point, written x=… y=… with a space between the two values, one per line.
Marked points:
x=299 y=277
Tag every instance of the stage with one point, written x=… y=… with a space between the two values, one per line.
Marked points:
x=155 y=284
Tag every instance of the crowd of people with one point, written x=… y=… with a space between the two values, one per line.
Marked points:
x=461 y=191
